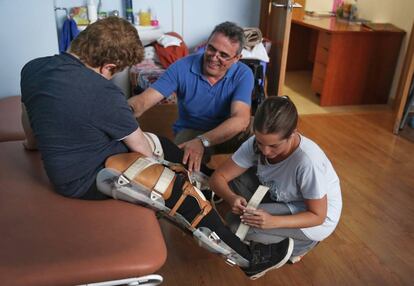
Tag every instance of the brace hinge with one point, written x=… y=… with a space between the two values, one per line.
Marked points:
x=122 y=180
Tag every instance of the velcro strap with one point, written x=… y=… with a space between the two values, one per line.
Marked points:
x=186 y=191
x=155 y=144
x=205 y=206
x=204 y=211
x=138 y=166
x=167 y=176
x=253 y=204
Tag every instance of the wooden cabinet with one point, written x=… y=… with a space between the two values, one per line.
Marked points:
x=350 y=64
x=321 y=62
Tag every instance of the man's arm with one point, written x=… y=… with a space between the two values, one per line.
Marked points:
x=136 y=142
x=144 y=101
x=30 y=143
x=236 y=123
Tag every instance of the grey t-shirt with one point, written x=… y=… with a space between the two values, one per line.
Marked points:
x=306 y=174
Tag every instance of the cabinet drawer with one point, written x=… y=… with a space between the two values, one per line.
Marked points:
x=319 y=70
x=324 y=40
x=322 y=55
x=317 y=84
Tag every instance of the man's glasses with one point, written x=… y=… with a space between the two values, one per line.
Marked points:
x=212 y=51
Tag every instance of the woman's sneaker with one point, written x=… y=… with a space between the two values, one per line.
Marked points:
x=268 y=257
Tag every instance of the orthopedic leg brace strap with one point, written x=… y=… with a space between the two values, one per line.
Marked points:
x=134 y=178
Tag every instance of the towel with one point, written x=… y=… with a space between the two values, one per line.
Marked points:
x=168 y=40
x=258 y=52
x=168 y=55
x=68 y=33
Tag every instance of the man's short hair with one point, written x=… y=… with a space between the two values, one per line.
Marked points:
x=112 y=40
x=232 y=31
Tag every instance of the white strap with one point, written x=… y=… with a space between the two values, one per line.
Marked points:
x=140 y=165
x=155 y=144
x=252 y=204
x=164 y=180
x=199 y=193
x=137 y=167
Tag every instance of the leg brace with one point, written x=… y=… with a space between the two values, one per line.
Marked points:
x=137 y=179
x=198 y=179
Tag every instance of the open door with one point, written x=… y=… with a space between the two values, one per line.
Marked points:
x=275 y=19
x=403 y=100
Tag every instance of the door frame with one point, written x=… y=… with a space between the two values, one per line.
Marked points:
x=404 y=83
x=276 y=71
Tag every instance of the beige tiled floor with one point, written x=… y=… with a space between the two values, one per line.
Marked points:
x=298 y=88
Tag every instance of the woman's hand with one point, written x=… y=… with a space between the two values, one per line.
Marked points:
x=315 y=215
x=238 y=205
x=259 y=219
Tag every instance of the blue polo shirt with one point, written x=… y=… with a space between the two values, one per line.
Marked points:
x=202 y=106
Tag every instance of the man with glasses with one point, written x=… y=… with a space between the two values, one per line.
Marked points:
x=214 y=96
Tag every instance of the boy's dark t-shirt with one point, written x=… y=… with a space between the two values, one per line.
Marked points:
x=78 y=117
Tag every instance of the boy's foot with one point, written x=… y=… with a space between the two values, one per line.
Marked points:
x=268 y=257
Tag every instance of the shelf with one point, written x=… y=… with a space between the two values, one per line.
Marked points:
x=146 y=28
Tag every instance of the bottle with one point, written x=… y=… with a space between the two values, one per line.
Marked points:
x=154 y=21
x=144 y=18
x=92 y=11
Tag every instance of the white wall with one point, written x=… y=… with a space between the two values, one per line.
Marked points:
x=319 y=5
x=29 y=28
x=192 y=19
x=200 y=17
x=27 y=31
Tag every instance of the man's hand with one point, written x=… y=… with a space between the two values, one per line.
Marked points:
x=193 y=153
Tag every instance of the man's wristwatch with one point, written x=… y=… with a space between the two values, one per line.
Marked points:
x=206 y=143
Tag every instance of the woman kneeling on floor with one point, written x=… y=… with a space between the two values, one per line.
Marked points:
x=304 y=198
